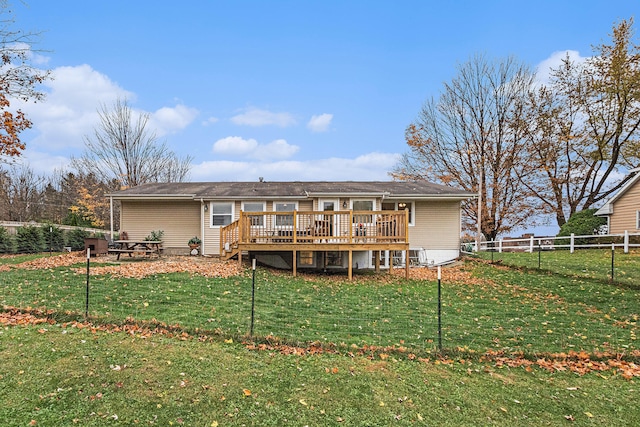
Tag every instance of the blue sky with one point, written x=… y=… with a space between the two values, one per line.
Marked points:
x=285 y=90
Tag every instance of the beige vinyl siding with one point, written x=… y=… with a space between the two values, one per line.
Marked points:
x=211 y=241
x=437 y=225
x=624 y=211
x=180 y=220
x=212 y=234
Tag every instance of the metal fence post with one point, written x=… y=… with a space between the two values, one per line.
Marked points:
x=439 y=309
x=539 y=254
x=613 y=255
x=253 y=295
x=86 y=303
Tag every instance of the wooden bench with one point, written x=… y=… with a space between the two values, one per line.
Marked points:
x=131 y=252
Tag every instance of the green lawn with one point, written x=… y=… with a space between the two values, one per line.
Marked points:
x=58 y=375
x=587 y=264
x=500 y=309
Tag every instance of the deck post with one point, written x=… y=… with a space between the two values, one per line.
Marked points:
x=377 y=262
x=350 y=264
x=295 y=264
x=390 y=261
x=239 y=258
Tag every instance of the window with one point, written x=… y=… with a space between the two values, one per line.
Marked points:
x=638 y=220
x=221 y=213
x=306 y=258
x=256 y=220
x=362 y=205
x=400 y=206
x=284 y=220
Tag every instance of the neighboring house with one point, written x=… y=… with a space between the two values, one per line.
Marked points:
x=322 y=224
x=623 y=209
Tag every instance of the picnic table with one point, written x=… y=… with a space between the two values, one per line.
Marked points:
x=146 y=247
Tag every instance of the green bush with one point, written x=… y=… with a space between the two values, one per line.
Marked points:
x=583 y=223
x=7 y=242
x=53 y=237
x=75 y=238
x=155 y=235
x=29 y=239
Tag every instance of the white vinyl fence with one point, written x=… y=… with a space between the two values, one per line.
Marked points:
x=572 y=242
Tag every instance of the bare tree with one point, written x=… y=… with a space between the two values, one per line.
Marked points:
x=123 y=148
x=18 y=80
x=469 y=138
x=20 y=194
x=583 y=128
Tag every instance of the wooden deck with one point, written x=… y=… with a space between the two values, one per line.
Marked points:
x=345 y=231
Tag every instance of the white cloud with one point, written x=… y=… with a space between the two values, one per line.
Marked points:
x=43 y=163
x=170 y=119
x=257 y=117
x=235 y=146
x=543 y=70
x=210 y=121
x=238 y=146
x=70 y=109
x=320 y=123
x=278 y=149
x=368 y=167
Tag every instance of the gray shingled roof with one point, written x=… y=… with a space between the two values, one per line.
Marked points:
x=294 y=189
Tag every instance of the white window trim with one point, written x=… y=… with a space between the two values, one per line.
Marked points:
x=283 y=202
x=373 y=207
x=412 y=212
x=373 y=203
x=264 y=209
x=233 y=212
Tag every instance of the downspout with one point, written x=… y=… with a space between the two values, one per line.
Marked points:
x=202 y=252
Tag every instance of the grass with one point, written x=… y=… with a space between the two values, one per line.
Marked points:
x=504 y=310
x=58 y=375
x=61 y=374
x=587 y=264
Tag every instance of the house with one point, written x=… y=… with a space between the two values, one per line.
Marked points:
x=623 y=209
x=319 y=224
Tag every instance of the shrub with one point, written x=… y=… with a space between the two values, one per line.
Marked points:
x=155 y=235
x=7 y=242
x=29 y=239
x=75 y=238
x=583 y=223
x=53 y=237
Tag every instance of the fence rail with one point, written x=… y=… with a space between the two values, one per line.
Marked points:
x=625 y=240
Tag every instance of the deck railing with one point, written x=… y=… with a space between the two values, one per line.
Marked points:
x=316 y=227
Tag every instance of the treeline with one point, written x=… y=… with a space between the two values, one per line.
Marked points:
x=63 y=198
